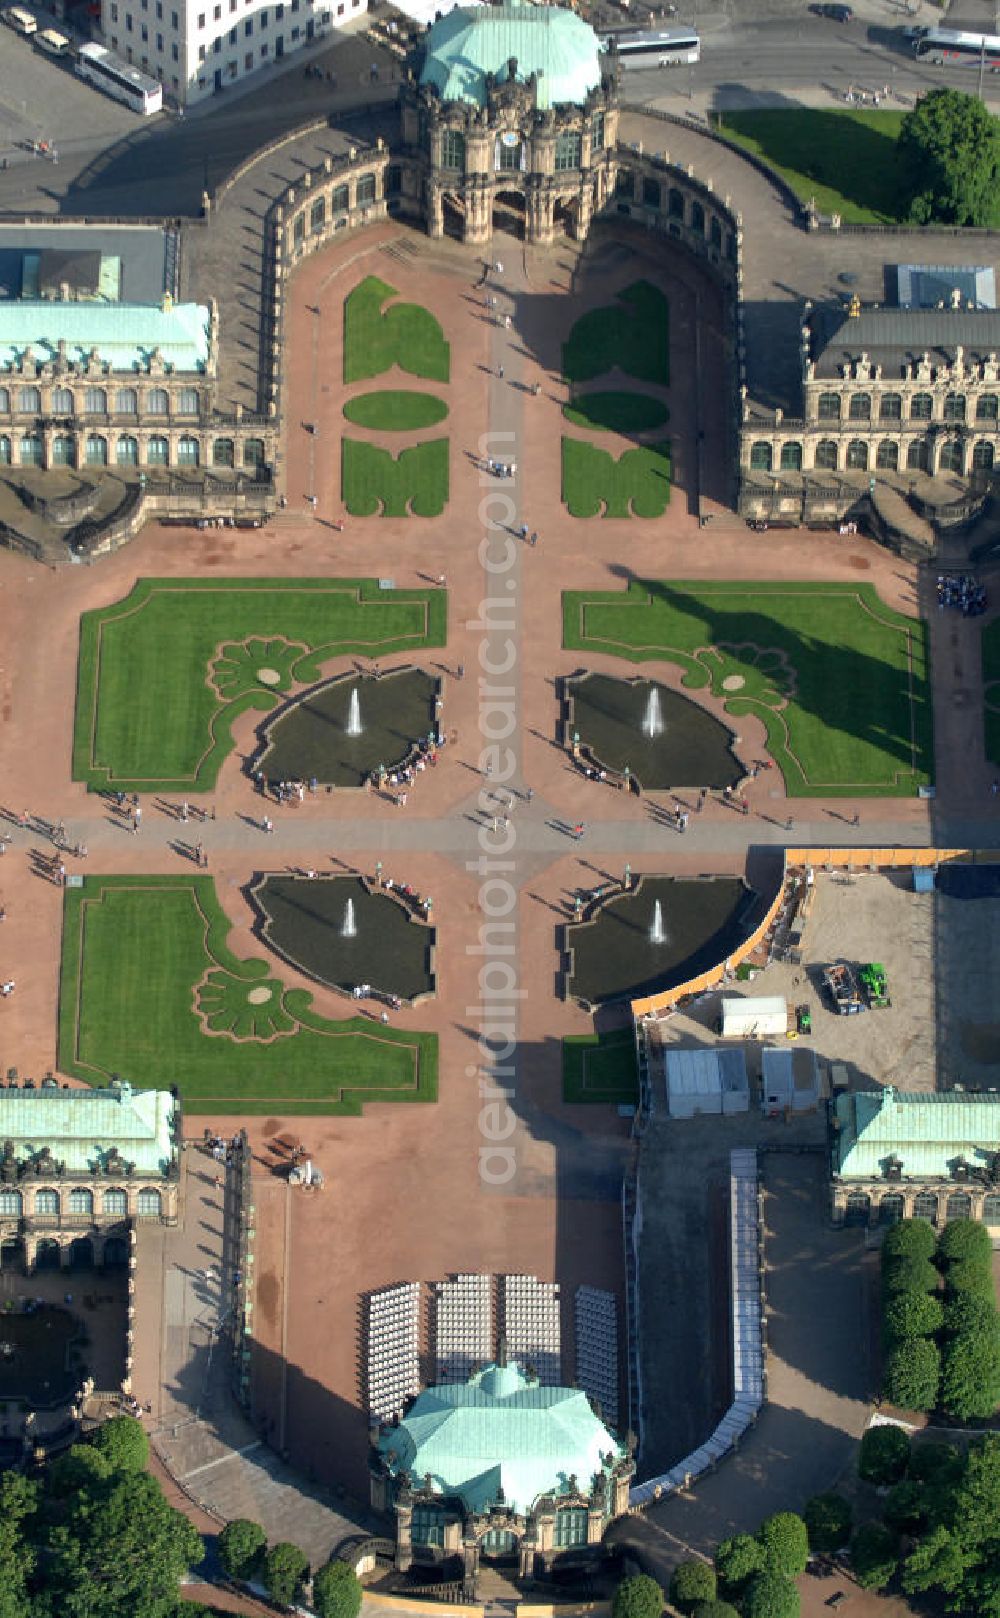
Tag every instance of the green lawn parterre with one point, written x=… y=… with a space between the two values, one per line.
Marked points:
x=149 y=990
x=632 y=335
x=406 y=335
x=412 y=484
x=600 y=1067
x=636 y=484
x=616 y=412
x=844 y=159
x=838 y=678
x=991 y=689
x=395 y=411
x=163 y=673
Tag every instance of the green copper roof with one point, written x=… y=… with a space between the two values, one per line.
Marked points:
x=500 y=1431
x=468 y=43
x=926 y=1132
x=124 y=334
x=79 y=1126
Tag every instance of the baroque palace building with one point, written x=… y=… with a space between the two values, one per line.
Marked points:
x=499 y=1469
x=927 y=1156
x=79 y=1167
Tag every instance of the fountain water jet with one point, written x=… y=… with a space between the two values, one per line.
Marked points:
x=657 y=931
x=652 y=723
x=349 y=927
x=354 y=725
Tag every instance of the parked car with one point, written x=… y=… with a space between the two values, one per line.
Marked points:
x=836 y=13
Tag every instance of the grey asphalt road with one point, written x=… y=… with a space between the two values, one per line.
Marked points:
x=111 y=163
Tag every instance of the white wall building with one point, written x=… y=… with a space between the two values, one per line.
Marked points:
x=196 y=47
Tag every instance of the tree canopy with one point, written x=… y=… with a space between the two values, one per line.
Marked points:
x=911 y=1374
x=909 y=1238
x=874 y=1555
x=828 y=1521
x=738 y=1559
x=949 y=160
x=337 y=1591
x=771 y=1595
x=285 y=1568
x=692 y=1581
x=785 y=1543
x=241 y=1547
x=885 y=1451
x=637 y=1597
x=123 y=1443
x=123 y=1554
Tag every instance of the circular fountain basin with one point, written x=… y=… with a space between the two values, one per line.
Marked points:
x=666 y=740
x=311 y=735
x=614 y=955
x=305 y=921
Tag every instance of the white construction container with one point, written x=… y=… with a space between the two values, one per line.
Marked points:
x=753 y=1018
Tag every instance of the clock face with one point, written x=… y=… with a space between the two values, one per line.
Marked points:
x=509 y=138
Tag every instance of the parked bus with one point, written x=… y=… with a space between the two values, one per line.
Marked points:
x=668 y=47
x=55 y=44
x=940 y=45
x=20 y=20
x=116 y=78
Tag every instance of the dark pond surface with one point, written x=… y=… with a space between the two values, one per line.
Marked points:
x=306 y=921
x=701 y=921
x=310 y=737
x=666 y=740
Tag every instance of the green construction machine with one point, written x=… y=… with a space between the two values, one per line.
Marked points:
x=874 y=986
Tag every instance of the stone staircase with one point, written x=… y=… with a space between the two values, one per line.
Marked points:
x=897 y=513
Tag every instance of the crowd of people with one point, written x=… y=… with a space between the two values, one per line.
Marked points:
x=962 y=591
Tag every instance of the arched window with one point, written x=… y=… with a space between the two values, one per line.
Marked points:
x=569 y=155
x=698 y=218
x=958 y=1206
x=791 y=457
x=253 y=452
x=675 y=206
x=341 y=199
x=860 y=407
x=888 y=455
x=453 y=149
x=81 y=1201
x=571 y=1527
x=986 y=407
x=891 y=1208
x=858 y=1208
x=29 y=401
x=982 y=456
x=188 y=453
x=115 y=1202
x=761 y=456
x=62 y=401
x=715 y=233
x=916 y=456
x=223 y=452
x=158 y=402
x=366 y=189
x=317 y=215
x=31 y=449
x=11 y=1204
x=925 y=1206
x=62 y=450
x=149 y=1202
x=95 y=402
x=5 y=400
x=826 y=455
x=97 y=450
x=921 y=407
x=954 y=407
x=187 y=402
x=828 y=407
x=857 y=455
x=952 y=458
x=127 y=402
x=891 y=407
x=127 y=450
x=991 y=1208
x=157 y=451
x=4 y=450
x=46 y=1203
x=650 y=191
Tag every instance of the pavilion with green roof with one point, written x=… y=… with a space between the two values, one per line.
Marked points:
x=898 y=1154
x=499 y=1469
x=78 y=1166
x=514 y=109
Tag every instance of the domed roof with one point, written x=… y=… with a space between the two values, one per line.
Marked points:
x=556 y=45
x=500 y=1431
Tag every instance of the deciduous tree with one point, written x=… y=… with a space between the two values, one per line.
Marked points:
x=949 y=160
x=828 y=1521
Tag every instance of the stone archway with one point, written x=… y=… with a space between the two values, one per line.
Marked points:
x=565 y=216
x=453 y=216
x=510 y=212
